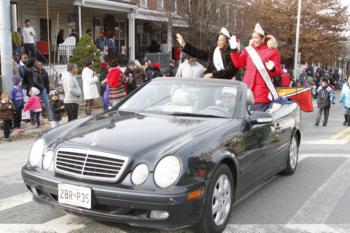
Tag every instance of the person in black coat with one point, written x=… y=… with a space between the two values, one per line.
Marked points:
x=219 y=61
x=56 y=106
x=129 y=77
x=44 y=76
x=27 y=82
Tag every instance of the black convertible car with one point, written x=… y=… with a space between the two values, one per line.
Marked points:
x=175 y=153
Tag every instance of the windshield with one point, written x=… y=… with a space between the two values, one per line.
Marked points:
x=187 y=98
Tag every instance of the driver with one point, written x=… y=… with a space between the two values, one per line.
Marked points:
x=227 y=99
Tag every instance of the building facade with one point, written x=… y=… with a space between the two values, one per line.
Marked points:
x=134 y=23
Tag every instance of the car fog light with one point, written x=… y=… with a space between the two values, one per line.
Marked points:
x=48 y=158
x=140 y=174
x=158 y=214
x=36 y=152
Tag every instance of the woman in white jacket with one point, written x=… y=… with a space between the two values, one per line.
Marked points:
x=90 y=81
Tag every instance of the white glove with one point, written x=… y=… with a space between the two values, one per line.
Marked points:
x=233 y=42
x=270 y=65
x=180 y=40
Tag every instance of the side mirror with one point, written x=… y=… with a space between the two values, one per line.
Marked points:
x=258 y=118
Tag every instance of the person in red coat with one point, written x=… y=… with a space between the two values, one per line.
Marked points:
x=285 y=78
x=114 y=75
x=266 y=48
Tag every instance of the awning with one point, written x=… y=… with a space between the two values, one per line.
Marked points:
x=106 y=5
x=155 y=16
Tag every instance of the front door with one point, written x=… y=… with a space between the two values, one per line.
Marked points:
x=256 y=144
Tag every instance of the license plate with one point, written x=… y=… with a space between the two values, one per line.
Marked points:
x=74 y=195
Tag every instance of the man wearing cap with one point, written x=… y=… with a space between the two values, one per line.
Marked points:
x=227 y=99
x=171 y=70
x=219 y=61
x=262 y=62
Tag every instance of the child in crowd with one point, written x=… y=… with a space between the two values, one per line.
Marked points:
x=6 y=114
x=325 y=97
x=18 y=101
x=34 y=106
x=345 y=100
x=56 y=106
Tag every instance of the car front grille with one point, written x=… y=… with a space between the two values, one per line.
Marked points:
x=90 y=165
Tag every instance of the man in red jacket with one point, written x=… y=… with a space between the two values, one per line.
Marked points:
x=285 y=78
x=266 y=53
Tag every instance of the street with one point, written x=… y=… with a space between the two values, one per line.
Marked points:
x=315 y=199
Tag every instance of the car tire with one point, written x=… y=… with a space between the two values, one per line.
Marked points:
x=221 y=184
x=293 y=156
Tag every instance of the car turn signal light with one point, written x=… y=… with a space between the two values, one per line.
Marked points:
x=195 y=195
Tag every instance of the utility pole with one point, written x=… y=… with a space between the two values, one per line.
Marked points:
x=6 y=45
x=296 y=52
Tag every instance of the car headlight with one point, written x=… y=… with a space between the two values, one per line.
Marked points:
x=139 y=174
x=36 y=152
x=48 y=158
x=167 y=171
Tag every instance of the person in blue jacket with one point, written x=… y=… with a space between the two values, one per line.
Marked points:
x=18 y=101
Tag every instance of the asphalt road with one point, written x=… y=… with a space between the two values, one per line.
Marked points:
x=316 y=199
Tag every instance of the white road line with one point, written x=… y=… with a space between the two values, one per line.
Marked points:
x=325 y=142
x=296 y=228
x=17 y=200
x=324 y=200
x=64 y=224
x=304 y=156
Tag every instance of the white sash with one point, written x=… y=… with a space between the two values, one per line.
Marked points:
x=217 y=60
x=263 y=72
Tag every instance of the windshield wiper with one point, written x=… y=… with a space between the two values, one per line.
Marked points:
x=194 y=115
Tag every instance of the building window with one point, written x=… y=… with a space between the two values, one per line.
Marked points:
x=160 y=4
x=143 y=3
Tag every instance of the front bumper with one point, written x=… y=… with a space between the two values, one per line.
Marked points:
x=118 y=205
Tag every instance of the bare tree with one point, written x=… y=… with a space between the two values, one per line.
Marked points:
x=322 y=26
x=202 y=17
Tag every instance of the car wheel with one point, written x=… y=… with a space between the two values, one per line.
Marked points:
x=218 y=202
x=293 y=156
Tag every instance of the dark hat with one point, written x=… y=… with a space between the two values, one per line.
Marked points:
x=16 y=80
x=131 y=63
x=88 y=62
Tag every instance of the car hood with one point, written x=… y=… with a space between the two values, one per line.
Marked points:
x=137 y=135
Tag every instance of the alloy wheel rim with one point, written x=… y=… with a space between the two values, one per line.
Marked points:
x=293 y=154
x=221 y=201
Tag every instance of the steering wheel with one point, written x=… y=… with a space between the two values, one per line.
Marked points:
x=217 y=109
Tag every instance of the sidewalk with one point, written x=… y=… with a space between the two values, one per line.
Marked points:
x=29 y=131
x=32 y=132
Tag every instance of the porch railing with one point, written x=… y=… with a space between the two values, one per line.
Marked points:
x=162 y=58
x=64 y=53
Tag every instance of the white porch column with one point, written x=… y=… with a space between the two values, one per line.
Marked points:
x=79 y=18
x=5 y=41
x=170 y=33
x=132 y=45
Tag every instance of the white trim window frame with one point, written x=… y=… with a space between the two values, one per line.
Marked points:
x=143 y=3
x=175 y=6
x=160 y=4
